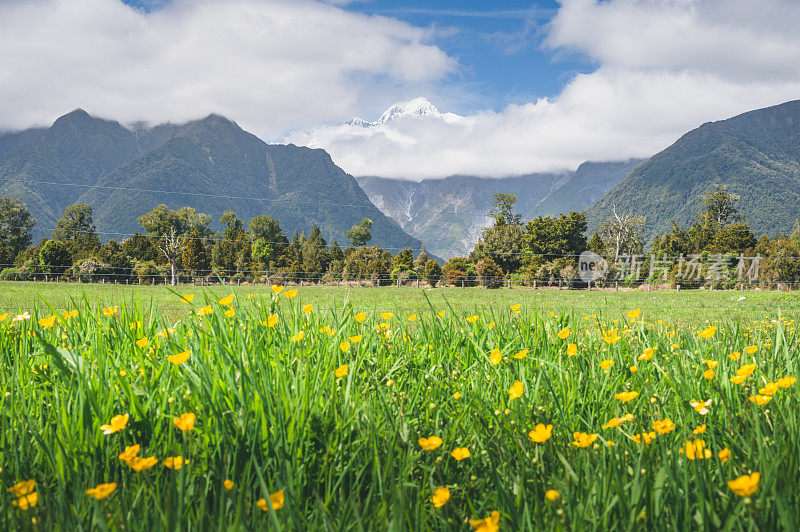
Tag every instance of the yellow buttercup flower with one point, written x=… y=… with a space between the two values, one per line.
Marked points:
x=495 y=356
x=634 y=314
x=101 y=491
x=770 y=388
x=226 y=301
x=48 y=322
x=695 y=450
x=472 y=319
x=116 y=424
x=583 y=439
x=441 y=314
x=174 y=462
x=185 y=422
x=138 y=463
x=699 y=429
x=272 y=320
x=515 y=390
x=26 y=501
x=708 y=374
x=724 y=455
x=204 y=311
x=645 y=437
x=228 y=484
x=563 y=333
x=143 y=342
x=760 y=400
x=739 y=379
x=460 y=453
x=626 y=396
x=746 y=370
x=516 y=307
x=130 y=452
x=735 y=355
x=413 y=317
x=341 y=371
x=750 y=349
x=606 y=364
x=179 y=358
x=110 y=311
x=541 y=433
x=522 y=354
x=360 y=317
x=277 y=288
x=22 y=487
x=611 y=337
x=299 y=336
x=552 y=495
x=614 y=422
x=487 y=524
x=707 y=333
x=700 y=407
x=745 y=485
x=572 y=350
x=647 y=354
x=785 y=382
x=344 y=347
x=430 y=443
x=231 y=312
x=355 y=339
x=290 y=293
x=440 y=497
x=307 y=308
x=276 y=500
x=385 y=316
x=663 y=426
x=187 y=298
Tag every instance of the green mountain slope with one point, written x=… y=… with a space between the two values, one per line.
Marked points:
x=757 y=154
x=589 y=183
x=209 y=164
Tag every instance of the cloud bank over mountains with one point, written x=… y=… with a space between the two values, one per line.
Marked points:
x=664 y=67
x=299 y=70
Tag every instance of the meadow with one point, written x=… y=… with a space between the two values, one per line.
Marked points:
x=287 y=408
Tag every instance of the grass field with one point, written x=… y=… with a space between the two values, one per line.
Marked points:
x=688 y=307
x=381 y=409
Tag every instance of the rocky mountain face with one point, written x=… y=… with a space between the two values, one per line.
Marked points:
x=448 y=214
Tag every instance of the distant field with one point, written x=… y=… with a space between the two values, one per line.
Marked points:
x=675 y=307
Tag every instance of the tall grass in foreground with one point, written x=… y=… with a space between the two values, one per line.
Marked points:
x=321 y=430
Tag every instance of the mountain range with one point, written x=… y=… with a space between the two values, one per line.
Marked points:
x=210 y=164
x=755 y=154
x=214 y=165
x=448 y=214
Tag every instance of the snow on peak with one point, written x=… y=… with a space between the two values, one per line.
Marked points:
x=417 y=107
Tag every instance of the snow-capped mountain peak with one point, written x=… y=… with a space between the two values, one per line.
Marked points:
x=417 y=107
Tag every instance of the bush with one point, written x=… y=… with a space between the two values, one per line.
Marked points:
x=90 y=270
x=489 y=273
x=433 y=272
x=456 y=278
x=147 y=272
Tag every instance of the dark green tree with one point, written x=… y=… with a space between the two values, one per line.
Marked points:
x=360 y=234
x=55 y=257
x=15 y=228
x=77 y=230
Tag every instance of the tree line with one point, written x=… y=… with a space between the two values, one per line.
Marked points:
x=179 y=246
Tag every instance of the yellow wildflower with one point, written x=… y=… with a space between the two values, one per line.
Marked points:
x=541 y=433
x=522 y=354
x=745 y=485
x=116 y=424
x=102 y=490
x=583 y=439
x=487 y=524
x=626 y=396
x=175 y=462
x=459 y=453
x=495 y=356
x=515 y=390
x=707 y=333
x=563 y=333
x=179 y=358
x=572 y=350
x=48 y=322
x=185 y=422
x=290 y=293
x=341 y=371
x=440 y=497
x=430 y=443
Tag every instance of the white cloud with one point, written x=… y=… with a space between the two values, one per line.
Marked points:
x=665 y=67
x=272 y=65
